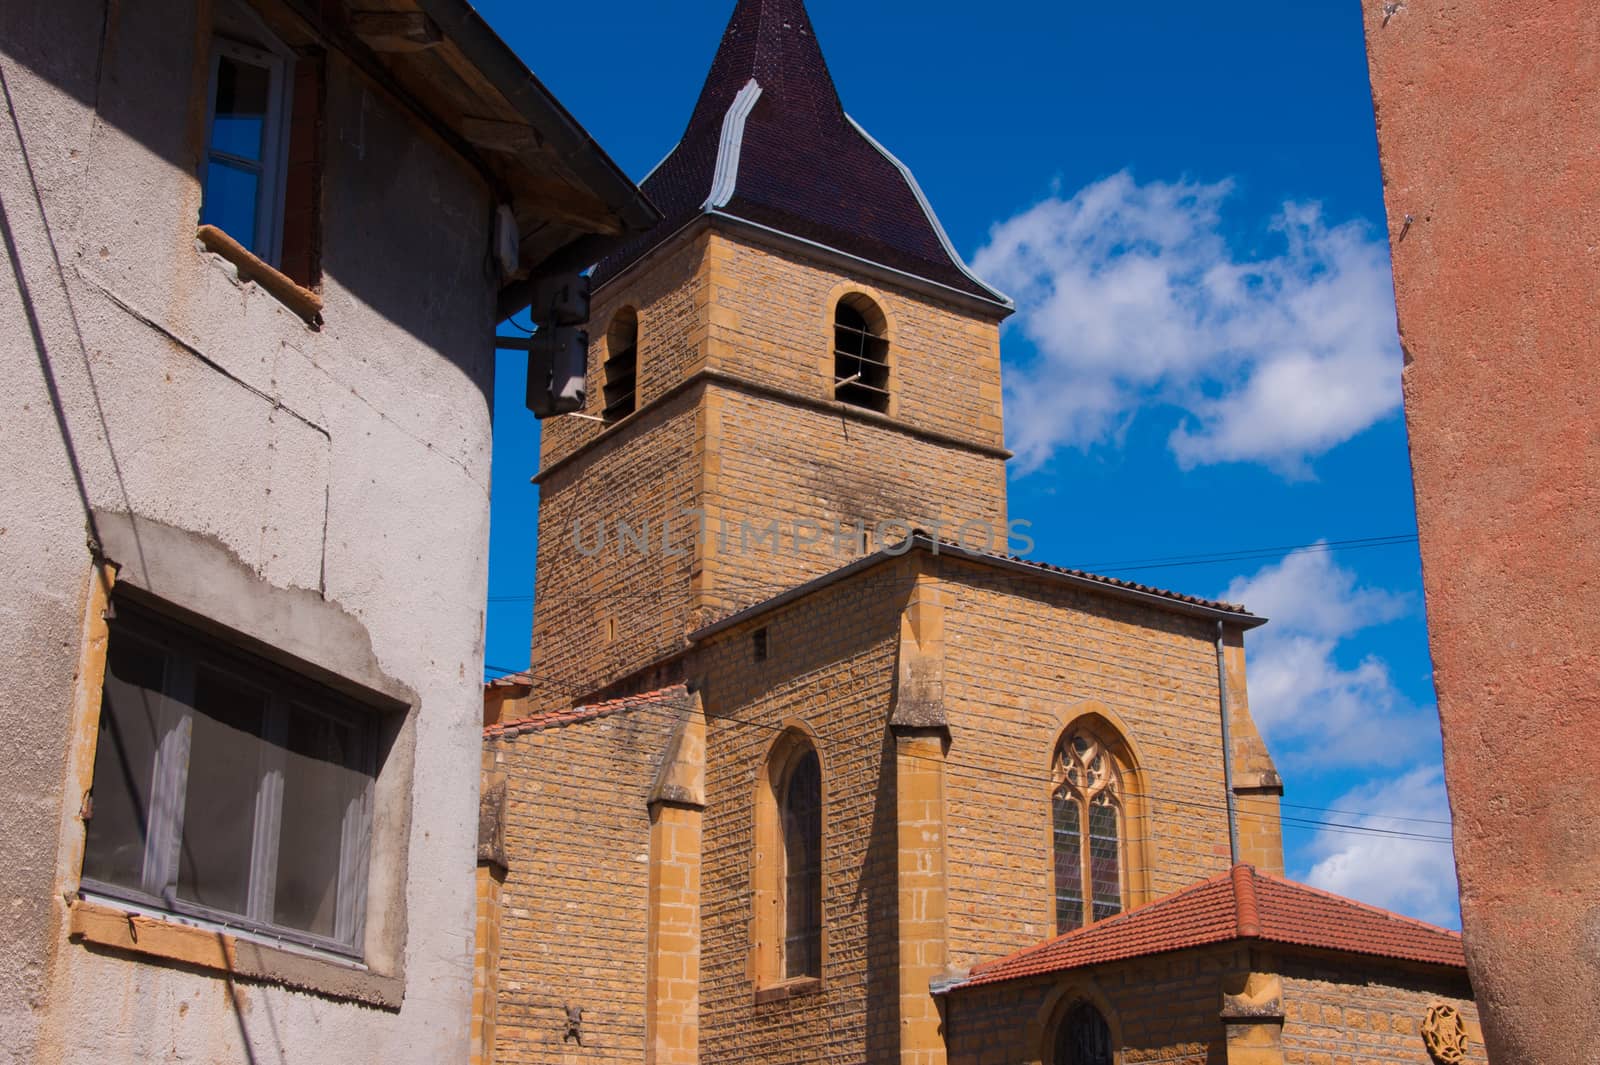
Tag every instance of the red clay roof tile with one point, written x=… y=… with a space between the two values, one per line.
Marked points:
x=1239 y=904
x=573 y=715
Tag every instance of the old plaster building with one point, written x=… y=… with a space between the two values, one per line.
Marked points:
x=808 y=765
x=255 y=252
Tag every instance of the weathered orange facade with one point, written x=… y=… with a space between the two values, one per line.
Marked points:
x=1486 y=131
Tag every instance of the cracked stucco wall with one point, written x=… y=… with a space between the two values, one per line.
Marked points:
x=138 y=376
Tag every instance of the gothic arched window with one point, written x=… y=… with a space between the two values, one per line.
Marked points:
x=1088 y=821
x=1082 y=1038
x=860 y=354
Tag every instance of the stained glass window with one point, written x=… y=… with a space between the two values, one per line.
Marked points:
x=1086 y=805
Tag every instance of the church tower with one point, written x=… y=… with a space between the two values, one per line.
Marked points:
x=793 y=368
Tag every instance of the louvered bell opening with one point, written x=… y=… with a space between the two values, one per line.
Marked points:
x=860 y=361
x=622 y=371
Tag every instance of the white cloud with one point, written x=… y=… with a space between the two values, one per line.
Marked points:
x=1315 y=713
x=1131 y=296
x=1414 y=876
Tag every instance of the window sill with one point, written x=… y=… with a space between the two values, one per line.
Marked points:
x=302 y=301
x=104 y=925
x=798 y=987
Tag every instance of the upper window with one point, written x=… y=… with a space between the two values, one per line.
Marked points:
x=228 y=788
x=1087 y=813
x=260 y=177
x=860 y=354
x=1082 y=1038
x=621 y=366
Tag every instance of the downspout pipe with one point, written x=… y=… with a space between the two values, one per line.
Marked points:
x=1227 y=748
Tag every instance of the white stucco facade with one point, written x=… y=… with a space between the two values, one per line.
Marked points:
x=324 y=492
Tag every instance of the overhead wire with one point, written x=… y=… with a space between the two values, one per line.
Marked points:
x=1218 y=807
x=1095 y=569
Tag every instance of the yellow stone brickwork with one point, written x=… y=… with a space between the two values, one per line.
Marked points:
x=486 y=963
x=576 y=902
x=1174 y=1008
x=1161 y=1009
x=1025 y=659
x=934 y=691
x=672 y=962
x=1344 y=1013
x=935 y=883
x=829 y=671
x=736 y=424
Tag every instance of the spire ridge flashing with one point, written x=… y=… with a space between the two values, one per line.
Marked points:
x=731 y=145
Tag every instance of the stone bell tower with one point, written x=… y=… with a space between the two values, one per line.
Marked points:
x=792 y=368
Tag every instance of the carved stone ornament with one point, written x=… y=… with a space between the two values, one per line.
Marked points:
x=1445 y=1034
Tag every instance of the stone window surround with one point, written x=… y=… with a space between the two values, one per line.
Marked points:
x=198 y=581
x=1058 y=1005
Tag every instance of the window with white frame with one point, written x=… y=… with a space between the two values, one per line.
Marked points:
x=228 y=788
x=246 y=158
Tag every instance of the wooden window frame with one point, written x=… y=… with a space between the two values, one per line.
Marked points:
x=278 y=61
x=186 y=651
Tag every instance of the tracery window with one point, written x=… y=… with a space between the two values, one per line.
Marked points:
x=1088 y=817
x=1082 y=1038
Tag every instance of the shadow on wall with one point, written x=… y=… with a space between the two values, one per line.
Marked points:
x=403 y=220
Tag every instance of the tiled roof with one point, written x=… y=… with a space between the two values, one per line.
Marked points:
x=573 y=715
x=1117 y=582
x=1241 y=904
x=784 y=155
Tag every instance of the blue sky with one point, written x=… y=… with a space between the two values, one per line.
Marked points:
x=1186 y=202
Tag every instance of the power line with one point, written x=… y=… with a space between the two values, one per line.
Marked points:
x=1096 y=568
x=1333 y=826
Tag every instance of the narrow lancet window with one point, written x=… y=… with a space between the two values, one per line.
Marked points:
x=802 y=881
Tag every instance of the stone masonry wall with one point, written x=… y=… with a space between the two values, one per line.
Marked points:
x=771 y=320
x=769 y=446
x=1339 y=1013
x=1161 y=1009
x=778 y=462
x=830 y=665
x=1023 y=659
x=668 y=293
x=574 y=904
x=604 y=610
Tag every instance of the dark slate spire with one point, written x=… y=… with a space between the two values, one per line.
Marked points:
x=769 y=144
